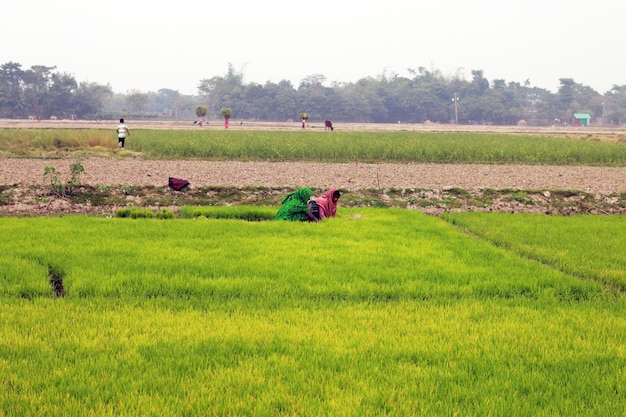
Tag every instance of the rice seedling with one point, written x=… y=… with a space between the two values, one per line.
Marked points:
x=375 y=312
x=197 y=257
x=559 y=241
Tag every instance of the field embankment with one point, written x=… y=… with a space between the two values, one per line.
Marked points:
x=430 y=171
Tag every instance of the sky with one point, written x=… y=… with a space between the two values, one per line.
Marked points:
x=138 y=45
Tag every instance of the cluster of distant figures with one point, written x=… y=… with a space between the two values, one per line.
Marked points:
x=296 y=206
x=39 y=118
x=328 y=125
x=299 y=206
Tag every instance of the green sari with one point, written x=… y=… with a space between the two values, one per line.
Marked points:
x=294 y=206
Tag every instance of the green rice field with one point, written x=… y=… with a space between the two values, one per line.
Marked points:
x=437 y=147
x=375 y=312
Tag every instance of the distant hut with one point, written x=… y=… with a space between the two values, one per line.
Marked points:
x=581 y=119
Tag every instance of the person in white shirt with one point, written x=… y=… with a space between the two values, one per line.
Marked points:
x=122 y=132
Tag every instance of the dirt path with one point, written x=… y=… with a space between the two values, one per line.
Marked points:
x=108 y=171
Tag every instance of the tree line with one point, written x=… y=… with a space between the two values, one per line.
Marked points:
x=426 y=95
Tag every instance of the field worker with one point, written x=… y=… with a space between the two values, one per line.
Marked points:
x=327 y=203
x=122 y=132
x=294 y=206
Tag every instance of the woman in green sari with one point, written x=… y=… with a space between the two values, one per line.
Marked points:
x=294 y=206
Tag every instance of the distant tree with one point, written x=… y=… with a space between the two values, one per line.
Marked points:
x=285 y=101
x=540 y=106
x=576 y=97
x=313 y=81
x=254 y=101
x=11 y=97
x=38 y=91
x=222 y=91
x=90 y=98
x=61 y=95
x=136 y=102
x=567 y=91
x=36 y=83
x=499 y=84
x=615 y=104
x=479 y=81
x=425 y=95
x=165 y=101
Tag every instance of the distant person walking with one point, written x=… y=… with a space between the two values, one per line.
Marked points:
x=122 y=132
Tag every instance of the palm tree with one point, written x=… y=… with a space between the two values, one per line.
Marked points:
x=226 y=113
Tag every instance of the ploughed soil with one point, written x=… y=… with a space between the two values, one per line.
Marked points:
x=110 y=183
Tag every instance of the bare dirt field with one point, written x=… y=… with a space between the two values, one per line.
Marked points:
x=24 y=186
x=596 y=132
x=349 y=177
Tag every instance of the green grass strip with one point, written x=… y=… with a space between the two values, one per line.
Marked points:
x=376 y=312
x=589 y=247
x=88 y=357
x=365 y=254
x=339 y=146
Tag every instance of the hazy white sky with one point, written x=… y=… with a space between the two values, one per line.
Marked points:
x=149 y=45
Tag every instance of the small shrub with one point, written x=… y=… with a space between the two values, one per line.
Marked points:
x=164 y=214
x=126 y=189
x=76 y=170
x=378 y=204
x=5 y=196
x=134 y=213
x=566 y=193
x=56 y=185
x=241 y=212
x=458 y=192
x=103 y=189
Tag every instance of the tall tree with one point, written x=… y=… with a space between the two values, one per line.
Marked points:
x=90 y=98
x=37 y=82
x=285 y=101
x=614 y=105
x=136 y=102
x=62 y=94
x=12 y=100
x=576 y=97
x=222 y=91
x=479 y=81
